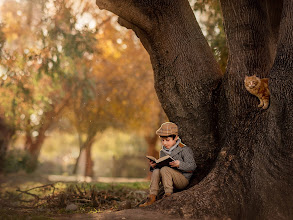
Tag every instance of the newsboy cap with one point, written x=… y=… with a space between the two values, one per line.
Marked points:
x=167 y=128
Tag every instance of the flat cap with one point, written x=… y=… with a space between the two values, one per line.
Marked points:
x=167 y=128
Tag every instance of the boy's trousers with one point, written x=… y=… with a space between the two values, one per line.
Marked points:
x=171 y=178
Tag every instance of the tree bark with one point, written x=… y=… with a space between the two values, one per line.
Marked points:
x=244 y=153
x=275 y=160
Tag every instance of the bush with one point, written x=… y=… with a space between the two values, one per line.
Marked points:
x=16 y=160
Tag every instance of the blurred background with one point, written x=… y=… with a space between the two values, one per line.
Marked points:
x=76 y=89
x=76 y=93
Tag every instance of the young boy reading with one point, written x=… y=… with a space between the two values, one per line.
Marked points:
x=180 y=170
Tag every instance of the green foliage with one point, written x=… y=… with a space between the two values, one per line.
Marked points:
x=40 y=74
x=16 y=160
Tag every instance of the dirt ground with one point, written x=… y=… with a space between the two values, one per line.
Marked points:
x=127 y=214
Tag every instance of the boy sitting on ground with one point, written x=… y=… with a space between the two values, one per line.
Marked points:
x=180 y=170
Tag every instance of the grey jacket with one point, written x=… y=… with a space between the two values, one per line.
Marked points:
x=185 y=155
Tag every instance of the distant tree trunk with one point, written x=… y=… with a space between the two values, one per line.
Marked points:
x=86 y=145
x=152 y=151
x=34 y=144
x=89 y=162
x=244 y=153
x=152 y=141
x=79 y=155
x=6 y=133
x=151 y=138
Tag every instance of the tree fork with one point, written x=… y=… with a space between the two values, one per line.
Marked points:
x=133 y=14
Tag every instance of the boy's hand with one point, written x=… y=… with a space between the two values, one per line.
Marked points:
x=152 y=164
x=175 y=163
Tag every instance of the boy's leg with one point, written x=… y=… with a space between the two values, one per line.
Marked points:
x=172 y=178
x=155 y=180
x=154 y=188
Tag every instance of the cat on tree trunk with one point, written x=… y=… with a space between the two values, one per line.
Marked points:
x=244 y=153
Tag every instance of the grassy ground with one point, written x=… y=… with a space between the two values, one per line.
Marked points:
x=30 y=197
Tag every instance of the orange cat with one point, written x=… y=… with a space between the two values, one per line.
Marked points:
x=259 y=88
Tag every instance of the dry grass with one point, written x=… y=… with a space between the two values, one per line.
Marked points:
x=36 y=200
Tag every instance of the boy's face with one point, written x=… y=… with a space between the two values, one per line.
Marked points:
x=169 y=142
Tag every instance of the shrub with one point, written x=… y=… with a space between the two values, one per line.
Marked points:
x=16 y=160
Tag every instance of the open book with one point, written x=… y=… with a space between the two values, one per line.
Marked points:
x=161 y=162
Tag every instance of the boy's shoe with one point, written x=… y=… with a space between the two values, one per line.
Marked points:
x=167 y=195
x=150 y=200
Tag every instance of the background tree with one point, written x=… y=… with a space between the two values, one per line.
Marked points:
x=243 y=152
x=41 y=73
x=16 y=84
x=6 y=130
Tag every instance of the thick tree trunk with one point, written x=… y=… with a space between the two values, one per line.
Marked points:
x=244 y=152
x=274 y=157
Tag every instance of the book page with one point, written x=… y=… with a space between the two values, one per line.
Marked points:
x=163 y=158
x=151 y=158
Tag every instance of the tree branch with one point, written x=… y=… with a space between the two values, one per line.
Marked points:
x=127 y=10
x=141 y=34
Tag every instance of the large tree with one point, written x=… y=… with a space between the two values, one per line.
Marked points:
x=244 y=153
